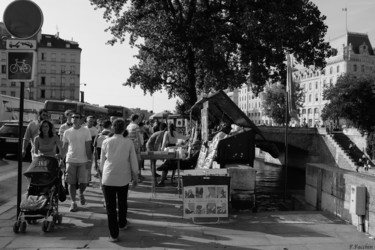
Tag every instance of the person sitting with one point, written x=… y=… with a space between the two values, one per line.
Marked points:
x=171 y=137
x=187 y=163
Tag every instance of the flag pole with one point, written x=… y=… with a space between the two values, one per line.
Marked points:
x=288 y=89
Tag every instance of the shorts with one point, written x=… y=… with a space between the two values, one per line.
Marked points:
x=76 y=173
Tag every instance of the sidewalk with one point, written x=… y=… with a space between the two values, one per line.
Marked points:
x=157 y=223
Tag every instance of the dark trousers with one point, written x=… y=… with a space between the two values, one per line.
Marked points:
x=116 y=196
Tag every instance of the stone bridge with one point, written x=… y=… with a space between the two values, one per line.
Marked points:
x=304 y=144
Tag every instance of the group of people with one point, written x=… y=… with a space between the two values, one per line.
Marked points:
x=115 y=147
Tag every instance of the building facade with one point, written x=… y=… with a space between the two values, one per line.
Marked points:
x=57 y=69
x=353 y=54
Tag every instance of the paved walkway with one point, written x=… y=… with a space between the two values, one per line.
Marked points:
x=157 y=223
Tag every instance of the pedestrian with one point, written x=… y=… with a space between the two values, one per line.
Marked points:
x=94 y=132
x=119 y=166
x=134 y=134
x=47 y=141
x=154 y=143
x=68 y=124
x=98 y=143
x=77 y=147
x=32 y=131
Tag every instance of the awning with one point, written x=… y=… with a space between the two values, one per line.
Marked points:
x=222 y=109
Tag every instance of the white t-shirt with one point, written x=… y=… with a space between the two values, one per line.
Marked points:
x=77 y=139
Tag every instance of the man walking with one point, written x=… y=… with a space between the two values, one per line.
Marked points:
x=77 y=145
x=68 y=124
x=32 y=131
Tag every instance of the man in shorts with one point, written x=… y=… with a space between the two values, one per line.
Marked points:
x=68 y=124
x=77 y=145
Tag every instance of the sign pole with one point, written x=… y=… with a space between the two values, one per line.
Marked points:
x=20 y=140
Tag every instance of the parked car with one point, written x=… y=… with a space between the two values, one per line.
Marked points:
x=9 y=139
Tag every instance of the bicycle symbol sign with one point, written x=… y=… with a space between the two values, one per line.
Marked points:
x=20 y=65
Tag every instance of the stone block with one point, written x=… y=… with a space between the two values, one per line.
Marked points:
x=242 y=177
x=310 y=195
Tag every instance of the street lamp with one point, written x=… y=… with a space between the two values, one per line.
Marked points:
x=66 y=72
x=82 y=93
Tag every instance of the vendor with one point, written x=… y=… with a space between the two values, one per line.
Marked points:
x=171 y=137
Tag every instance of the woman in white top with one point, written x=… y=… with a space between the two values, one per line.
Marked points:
x=171 y=137
x=119 y=165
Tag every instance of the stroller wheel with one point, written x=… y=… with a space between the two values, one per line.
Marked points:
x=23 y=227
x=50 y=227
x=59 y=219
x=45 y=226
x=16 y=227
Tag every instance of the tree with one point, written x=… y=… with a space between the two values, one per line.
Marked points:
x=189 y=47
x=351 y=98
x=273 y=101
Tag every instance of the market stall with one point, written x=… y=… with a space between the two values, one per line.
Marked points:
x=231 y=150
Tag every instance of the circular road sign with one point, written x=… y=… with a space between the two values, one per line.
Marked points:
x=23 y=19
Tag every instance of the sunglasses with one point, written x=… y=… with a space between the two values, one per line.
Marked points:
x=74 y=117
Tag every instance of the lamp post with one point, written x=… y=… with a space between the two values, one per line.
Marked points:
x=82 y=93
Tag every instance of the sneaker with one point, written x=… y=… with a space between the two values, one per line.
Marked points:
x=73 y=207
x=124 y=227
x=82 y=199
x=113 y=239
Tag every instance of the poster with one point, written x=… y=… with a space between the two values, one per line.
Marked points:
x=205 y=196
x=205 y=201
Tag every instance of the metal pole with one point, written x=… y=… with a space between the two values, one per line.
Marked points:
x=20 y=139
x=286 y=146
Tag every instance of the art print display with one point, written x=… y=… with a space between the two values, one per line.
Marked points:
x=205 y=201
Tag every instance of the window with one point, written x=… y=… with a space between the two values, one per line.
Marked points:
x=31 y=84
x=43 y=56
x=53 y=81
x=316 y=97
x=13 y=93
x=72 y=58
x=355 y=67
x=316 y=85
x=309 y=85
x=53 y=68
x=3 y=56
x=331 y=70
x=53 y=94
x=43 y=68
x=53 y=57
x=43 y=80
x=42 y=93
x=3 y=69
x=72 y=69
x=13 y=84
x=71 y=94
x=62 y=81
x=3 y=92
x=338 y=68
x=362 y=68
x=310 y=98
x=63 y=57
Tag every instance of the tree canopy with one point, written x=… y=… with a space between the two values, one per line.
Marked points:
x=274 y=103
x=351 y=98
x=189 y=47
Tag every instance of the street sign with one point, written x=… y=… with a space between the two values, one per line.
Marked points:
x=21 y=65
x=18 y=44
x=23 y=19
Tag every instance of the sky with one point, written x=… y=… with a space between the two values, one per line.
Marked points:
x=104 y=67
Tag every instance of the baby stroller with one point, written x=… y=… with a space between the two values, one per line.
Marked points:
x=42 y=198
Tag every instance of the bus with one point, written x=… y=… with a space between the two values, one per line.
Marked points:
x=10 y=108
x=57 y=108
x=118 y=111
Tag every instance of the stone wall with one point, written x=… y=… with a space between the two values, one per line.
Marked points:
x=329 y=189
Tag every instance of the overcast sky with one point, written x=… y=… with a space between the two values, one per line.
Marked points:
x=104 y=68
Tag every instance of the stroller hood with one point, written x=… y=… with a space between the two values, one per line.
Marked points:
x=43 y=169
